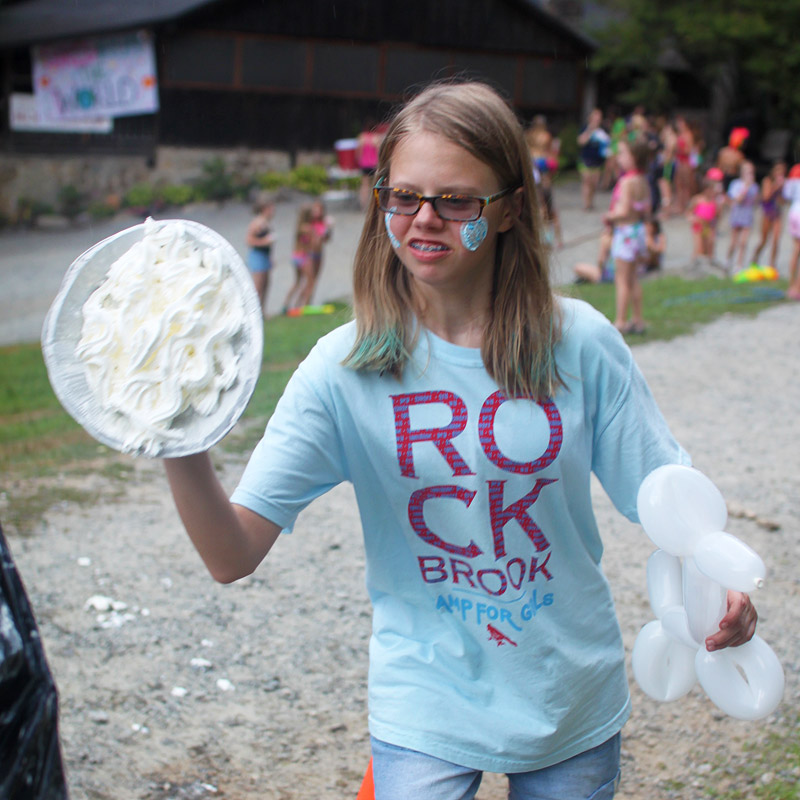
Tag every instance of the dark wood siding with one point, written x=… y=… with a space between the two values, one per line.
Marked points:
x=299 y=74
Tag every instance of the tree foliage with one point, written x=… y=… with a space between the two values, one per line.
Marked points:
x=746 y=48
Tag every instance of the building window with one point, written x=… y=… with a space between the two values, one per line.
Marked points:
x=279 y=65
x=548 y=83
x=200 y=59
x=500 y=71
x=345 y=68
x=406 y=68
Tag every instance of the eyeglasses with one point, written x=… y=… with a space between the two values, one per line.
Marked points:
x=453 y=207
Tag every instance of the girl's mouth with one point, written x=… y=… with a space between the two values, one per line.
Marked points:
x=428 y=248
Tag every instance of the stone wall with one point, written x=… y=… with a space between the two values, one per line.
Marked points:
x=40 y=178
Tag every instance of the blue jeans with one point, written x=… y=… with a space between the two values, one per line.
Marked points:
x=401 y=774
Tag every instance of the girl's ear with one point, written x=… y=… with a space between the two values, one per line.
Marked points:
x=512 y=209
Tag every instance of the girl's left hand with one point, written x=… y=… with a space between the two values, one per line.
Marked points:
x=737 y=626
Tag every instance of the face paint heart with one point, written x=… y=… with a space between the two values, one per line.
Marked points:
x=387 y=219
x=473 y=233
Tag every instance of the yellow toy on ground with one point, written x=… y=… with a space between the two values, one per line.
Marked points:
x=755 y=273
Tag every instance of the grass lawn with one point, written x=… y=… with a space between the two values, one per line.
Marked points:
x=37 y=437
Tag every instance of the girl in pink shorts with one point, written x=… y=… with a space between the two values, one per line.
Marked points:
x=791 y=193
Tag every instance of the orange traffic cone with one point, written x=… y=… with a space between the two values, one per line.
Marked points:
x=367 y=790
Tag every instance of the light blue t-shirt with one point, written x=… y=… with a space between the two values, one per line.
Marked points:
x=495 y=642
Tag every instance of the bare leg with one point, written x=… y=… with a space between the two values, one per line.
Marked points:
x=314 y=268
x=623 y=284
x=261 y=282
x=776 y=240
x=794 y=273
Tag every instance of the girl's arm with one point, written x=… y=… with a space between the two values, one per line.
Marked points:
x=231 y=540
x=622 y=206
x=253 y=239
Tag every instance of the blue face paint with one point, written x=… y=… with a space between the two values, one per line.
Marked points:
x=393 y=240
x=473 y=233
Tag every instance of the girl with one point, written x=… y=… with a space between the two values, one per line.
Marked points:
x=684 y=168
x=771 y=211
x=544 y=149
x=656 y=244
x=468 y=406
x=301 y=258
x=703 y=214
x=321 y=230
x=593 y=142
x=743 y=194
x=630 y=209
x=791 y=193
x=259 y=239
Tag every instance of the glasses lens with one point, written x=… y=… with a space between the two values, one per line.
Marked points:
x=398 y=201
x=456 y=207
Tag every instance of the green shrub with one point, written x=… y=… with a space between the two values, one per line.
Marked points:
x=70 y=201
x=140 y=195
x=101 y=210
x=568 y=155
x=271 y=181
x=309 y=178
x=176 y=194
x=215 y=182
x=28 y=209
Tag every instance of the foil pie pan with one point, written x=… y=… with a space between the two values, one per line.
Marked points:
x=62 y=332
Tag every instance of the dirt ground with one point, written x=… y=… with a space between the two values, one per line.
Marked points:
x=173 y=686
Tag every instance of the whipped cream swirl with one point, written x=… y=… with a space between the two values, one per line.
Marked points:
x=159 y=336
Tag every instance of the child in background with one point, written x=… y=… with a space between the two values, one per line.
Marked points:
x=656 y=243
x=743 y=194
x=259 y=239
x=703 y=213
x=791 y=193
x=321 y=230
x=301 y=258
x=630 y=209
x=771 y=211
x=463 y=397
x=603 y=270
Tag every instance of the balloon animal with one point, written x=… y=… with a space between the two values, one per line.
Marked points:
x=684 y=514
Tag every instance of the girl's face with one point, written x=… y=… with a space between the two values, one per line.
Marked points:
x=445 y=256
x=317 y=210
x=748 y=171
x=624 y=157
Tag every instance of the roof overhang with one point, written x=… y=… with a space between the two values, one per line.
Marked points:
x=36 y=21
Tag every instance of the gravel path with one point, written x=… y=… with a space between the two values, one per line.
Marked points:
x=175 y=687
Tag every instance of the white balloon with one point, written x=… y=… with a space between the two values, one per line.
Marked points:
x=664 y=582
x=705 y=601
x=663 y=667
x=677 y=505
x=729 y=561
x=676 y=623
x=751 y=696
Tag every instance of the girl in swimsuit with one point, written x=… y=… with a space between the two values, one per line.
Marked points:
x=703 y=213
x=744 y=194
x=771 y=211
x=630 y=209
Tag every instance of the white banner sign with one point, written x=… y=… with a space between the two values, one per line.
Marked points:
x=23 y=115
x=109 y=76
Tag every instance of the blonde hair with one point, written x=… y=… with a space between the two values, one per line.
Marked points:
x=523 y=326
x=303 y=227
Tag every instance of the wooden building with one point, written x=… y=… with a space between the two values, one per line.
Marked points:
x=295 y=75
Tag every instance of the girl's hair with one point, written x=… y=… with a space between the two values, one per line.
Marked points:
x=303 y=226
x=640 y=150
x=524 y=325
x=263 y=202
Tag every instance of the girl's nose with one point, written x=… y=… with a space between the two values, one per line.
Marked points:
x=427 y=215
